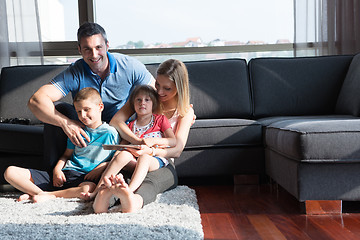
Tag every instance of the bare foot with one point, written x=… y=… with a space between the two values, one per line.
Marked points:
x=42 y=197
x=130 y=202
x=87 y=196
x=109 y=181
x=23 y=197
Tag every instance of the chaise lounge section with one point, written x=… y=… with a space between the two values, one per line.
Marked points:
x=311 y=136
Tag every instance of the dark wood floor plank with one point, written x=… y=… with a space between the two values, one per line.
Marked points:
x=265 y=227
x=208 y=233
x=352 y=223
x=266 y=211
x=244 y=228
x=288 y=228
x=332 y=228
x=221 y=226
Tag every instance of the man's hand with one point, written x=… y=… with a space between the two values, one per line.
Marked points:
x=73 y=129
x=59 y=178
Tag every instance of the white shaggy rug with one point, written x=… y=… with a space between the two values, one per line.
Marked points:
x=174 y=215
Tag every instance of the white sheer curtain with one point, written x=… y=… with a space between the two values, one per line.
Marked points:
x=20 y=36
x=327 y=27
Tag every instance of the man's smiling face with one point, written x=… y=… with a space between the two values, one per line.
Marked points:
x=94 y=52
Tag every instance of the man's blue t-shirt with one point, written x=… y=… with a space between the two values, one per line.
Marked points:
x=85 y=159
x=125 y=73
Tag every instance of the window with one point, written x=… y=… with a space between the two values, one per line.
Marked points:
x=195 y=23
x=59 y=20
x=188 y=30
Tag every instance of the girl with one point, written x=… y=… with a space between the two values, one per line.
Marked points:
x=154 y=129
x=172 y=85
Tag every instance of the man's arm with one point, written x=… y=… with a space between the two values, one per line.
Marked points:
x=42 y=106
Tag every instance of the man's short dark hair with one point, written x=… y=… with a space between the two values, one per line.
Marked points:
x=89 y=29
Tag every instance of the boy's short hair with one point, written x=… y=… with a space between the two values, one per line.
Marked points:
x=88 y=93
x=149 y=90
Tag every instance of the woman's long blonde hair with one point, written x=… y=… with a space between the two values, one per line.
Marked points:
x=177 y=72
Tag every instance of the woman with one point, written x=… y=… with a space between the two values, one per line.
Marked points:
x=172 y=84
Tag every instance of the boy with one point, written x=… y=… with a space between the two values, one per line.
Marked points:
x=77 y=168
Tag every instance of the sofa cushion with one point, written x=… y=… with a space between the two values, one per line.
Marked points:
x=320 y=139
x=21 y=139
x=297 y=86
x=270 y=120
x=220 y=88
x=207 y=133
x=349 y=98
x=18 y=83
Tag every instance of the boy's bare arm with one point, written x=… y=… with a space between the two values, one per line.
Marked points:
x=58 y=175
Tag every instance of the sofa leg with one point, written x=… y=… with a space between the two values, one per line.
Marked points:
x=323 y=207
x=246 y=179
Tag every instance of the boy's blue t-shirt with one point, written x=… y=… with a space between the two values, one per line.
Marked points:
x=87 y=158
x=125 y=73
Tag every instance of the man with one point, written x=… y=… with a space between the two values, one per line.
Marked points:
x=112 y=75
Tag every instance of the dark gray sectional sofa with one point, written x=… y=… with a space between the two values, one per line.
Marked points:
x=296 y=120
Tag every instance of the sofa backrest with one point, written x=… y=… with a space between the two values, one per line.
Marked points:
x=349 y=98
x=218 y=88
x=19 y=83
x=297 y=86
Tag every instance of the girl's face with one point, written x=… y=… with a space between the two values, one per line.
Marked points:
x=165 y=88
x=143 y=104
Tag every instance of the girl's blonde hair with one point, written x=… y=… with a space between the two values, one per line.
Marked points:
x=177 y=72
x=148 y=90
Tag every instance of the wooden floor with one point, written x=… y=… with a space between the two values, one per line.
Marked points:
x=267 y=211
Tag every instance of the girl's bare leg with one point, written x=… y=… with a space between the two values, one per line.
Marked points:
x=20 y=178
x=130 y=202
x=118 y=162
x=145 y=163
x=101 y=202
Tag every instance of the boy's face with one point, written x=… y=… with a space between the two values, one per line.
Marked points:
x=89 y=112
x=143 y=104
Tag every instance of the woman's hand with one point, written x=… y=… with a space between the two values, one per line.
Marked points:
x=194 y=116
x=137 y=152
x=150 y=142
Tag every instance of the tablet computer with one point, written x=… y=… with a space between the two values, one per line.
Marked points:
x=120 y=146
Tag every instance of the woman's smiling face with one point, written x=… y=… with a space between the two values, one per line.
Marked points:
x=165 y=88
